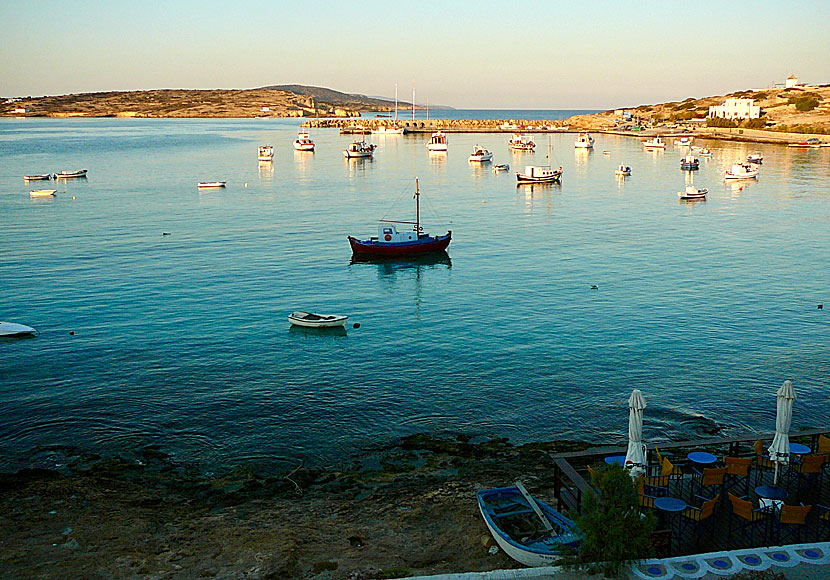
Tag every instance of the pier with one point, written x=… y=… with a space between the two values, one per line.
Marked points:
x=363 y=125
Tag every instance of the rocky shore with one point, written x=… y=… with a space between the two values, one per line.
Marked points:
x=405 y=510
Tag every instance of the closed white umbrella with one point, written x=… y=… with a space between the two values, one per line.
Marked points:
x=636 y=454
x=779 y=451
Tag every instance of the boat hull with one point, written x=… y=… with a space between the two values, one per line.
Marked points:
x=303 y=146
x=437 y=147
x=555 y=178
x=42 y=177
x=210 y=184
x=311 y=320
x=43 y=192
x=542 y=552
x=12 y=329
x=425 y=245
x=70 y=174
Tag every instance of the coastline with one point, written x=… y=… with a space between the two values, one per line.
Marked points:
x=403 y=511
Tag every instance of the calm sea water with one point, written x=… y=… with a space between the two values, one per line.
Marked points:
x=181 y=340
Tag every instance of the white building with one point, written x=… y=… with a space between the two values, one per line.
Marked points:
x=736 y=109
x=792 y=81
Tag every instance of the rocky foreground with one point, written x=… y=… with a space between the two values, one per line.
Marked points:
x=407 y=510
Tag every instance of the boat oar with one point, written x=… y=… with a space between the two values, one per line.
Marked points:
x=535 y=506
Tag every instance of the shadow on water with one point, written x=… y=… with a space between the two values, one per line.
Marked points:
x=303 y=331
x=389 y=266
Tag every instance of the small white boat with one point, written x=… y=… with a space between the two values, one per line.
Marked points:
x=42 y=192
x=521 y=142
x=705 y=152
x=683 y=142
x=303 y=142
x=689 y=162
x=384 y=130
x=539 y=174
x=70 y=174
x=480 y=155
x=210 y=184
x=40 y=177
x=528 y=530
x=438 y=142
x=311 y=320
x=13 y=329
x=265 y=153
x=501 y=167
x=755 y=158
x=742 y=171
x=692 y=192
x=655 y=143
x=584 y=141
x=623 y=170
x=359 y=149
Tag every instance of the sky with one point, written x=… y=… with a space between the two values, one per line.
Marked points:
x=528 y=54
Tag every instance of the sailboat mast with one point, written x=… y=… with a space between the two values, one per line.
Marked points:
x=396 y=101
x=413 y=103
x=417 y=210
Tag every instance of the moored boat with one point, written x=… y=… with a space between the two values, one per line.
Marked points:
x=501 y=167
x=755 y=158
x=384 y=130
x=623 y=170
x=705 y=152
x=521 y=142
x=691 y=192
x=655 y=143
x=584 y=141
x=39 y=177
x=11 y=329
x=70 y=174
x=42 y=192
x=683 y=142
x=528 y=530
x=265 y=153
x=741 y=171
x=539 y=174
x=312 y=320
x=210 y=184
x=359 y=149
x=689 y=162
x=480 y=155
x=303 y=142
x=391 y=242
x=437 y=142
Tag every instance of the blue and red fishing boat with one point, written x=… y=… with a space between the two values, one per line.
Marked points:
x=391 y=242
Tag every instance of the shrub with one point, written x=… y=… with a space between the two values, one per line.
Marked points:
x=806 y=104
x=614 y=532
x=718 y=122
x=758 y=123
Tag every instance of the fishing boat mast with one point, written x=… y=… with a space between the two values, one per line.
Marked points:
x=417 y=210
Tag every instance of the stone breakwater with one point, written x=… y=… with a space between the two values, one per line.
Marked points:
x=445 y=125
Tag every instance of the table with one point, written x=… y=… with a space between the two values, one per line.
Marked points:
x=701 y=458
x=799 y=449
x=670 y=506
x=615 y=459
x=770 y=497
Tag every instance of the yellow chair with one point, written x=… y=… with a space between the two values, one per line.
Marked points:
x=823 y=445
x=711 y=476
x=699 y=517
x=737 y=471
x=752 y=517
x=792 y=520
x=809 y=470
x=643 y=499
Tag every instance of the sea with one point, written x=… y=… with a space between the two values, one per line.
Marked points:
x=162 y=309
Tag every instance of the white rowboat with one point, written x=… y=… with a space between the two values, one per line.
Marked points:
x=210 y=184
x=42 y=192
x=311 y=320
x=14 y=329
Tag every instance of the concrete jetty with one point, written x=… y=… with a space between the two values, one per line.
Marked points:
x=446 y=125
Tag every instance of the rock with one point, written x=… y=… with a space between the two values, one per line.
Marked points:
x=72 y=545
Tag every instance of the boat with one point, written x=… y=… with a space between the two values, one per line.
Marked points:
x=689 y=162
x=303 y=142
x=312 y=320
x=705 y=152
x=42 y=192
x=10 y=329
x=42 y=176
x=210 y=184
x=359 y=149
x=265 y=153
x=70 y=174
x=755 y=158
x=480 y=154
x=692 y=192
x=391 y=242
x=655 y=143
x=393 y=129
x=623 y=170
x=683 y=142
x=521 y=142
x=438 y=142
x=742 y=171
x=800 y=145
x=539 y=174
x=501 y=167
x=606 y=152
x=528 y=530
x=584 y=141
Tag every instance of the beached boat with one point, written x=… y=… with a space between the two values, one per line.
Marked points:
x=501 y=167
x=210 y=184
x=623 y=170
x=10 y=329
x=741 y=171
x=42 y=192
x=584 y=141
x=521 y=142
x=480 y=155
x=438 y=142
x=755 y=158
x=391 y=242
x=539 y=174
x=265 y=153
x=312 y=320
x=655 y=143
x=303 y=142
x=692 y=192
x=70 y=174
x=39 y=177
x=528 y=530
x=689 y=163
x=359 y=149
x=705 y=152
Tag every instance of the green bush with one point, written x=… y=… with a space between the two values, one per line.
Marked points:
x=806 y=104
x=758 y=123
x=718 y=122
x=614 y=531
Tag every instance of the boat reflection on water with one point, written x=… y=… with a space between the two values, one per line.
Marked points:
x=304 y=331
x=389 y=266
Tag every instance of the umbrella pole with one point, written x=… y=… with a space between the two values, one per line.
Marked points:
x=775 y=478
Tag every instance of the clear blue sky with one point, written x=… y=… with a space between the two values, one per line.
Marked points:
x=521 y=54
